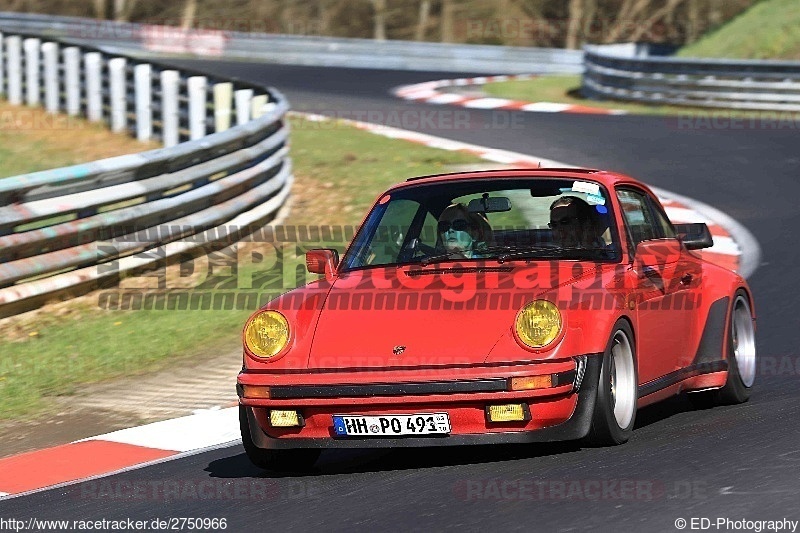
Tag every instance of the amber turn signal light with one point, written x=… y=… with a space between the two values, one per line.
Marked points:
x=532 y=382
x=258 y=392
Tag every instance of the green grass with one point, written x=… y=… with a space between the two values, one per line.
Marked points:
x=565 y=89
x=339 y=172
x=768 y=30
x=32 y=140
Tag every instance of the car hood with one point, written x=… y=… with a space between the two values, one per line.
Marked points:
x=438 y=316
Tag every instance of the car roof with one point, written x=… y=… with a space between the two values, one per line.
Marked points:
x=603 y=177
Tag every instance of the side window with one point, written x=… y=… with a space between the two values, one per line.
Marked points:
x=391 y=232
x=662 y=221
x=427 y=235
x=638 y=216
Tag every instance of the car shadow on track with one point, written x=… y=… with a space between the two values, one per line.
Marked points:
x=663 y=410
x=333 y=462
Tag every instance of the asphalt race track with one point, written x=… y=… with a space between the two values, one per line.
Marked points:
x=740 y=462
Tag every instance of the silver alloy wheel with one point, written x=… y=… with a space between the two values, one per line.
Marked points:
x=744 y=341
x=623 y=380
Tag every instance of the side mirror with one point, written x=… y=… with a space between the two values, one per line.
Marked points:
x=655 y=254
x=322 y=261
x=694 y=236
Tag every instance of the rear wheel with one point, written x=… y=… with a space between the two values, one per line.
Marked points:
x=615 y=407
x=298 y=460
x=741 y=359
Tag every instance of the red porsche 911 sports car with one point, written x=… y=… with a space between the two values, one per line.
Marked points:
x=507 y=306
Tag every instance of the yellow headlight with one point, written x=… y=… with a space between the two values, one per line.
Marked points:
x=266 y=334
x=538 y=323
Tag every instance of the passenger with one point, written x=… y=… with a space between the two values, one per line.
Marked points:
x=462 y=231
x=575 y=224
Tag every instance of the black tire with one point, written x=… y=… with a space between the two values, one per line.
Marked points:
x=735 y=390
x=606 y=430
x=299 y=460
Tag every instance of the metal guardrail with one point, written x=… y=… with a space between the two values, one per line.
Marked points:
x=69 y=230
x=316 y=51
x=622 y=73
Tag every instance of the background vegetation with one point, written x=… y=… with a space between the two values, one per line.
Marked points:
x=552 y=23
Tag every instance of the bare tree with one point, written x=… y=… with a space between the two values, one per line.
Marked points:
x=574 y=25
x=100 y=9
x=189 y=10
x=590 y=9
x=659 y=14
x=422 y=20
x=693 y=21
x=379 y=18
x=626 y=19
x=123 y=10
x=447 y=22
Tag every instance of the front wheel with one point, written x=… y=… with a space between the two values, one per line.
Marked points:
x=299 y=460
x=615 y=407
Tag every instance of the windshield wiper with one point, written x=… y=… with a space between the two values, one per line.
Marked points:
x=434 y=258
x=551 y=251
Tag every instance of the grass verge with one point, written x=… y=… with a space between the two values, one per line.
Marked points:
x=32 y=140
x=770 y=29
x=339 y=170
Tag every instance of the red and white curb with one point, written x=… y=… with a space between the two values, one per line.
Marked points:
x=118 y=451
x=429 y=92
x=734 y=248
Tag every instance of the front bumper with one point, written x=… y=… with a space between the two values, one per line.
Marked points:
x=575 y=424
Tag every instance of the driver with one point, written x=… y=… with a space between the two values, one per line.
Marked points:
x=575 y=224
x=462 y=232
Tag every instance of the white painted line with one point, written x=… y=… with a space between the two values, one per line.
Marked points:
x=682 y=215
x=725 y=245
x=545 y=107
x=208 y=428
x=487 y=103
x=445 y=98
x=419 y=95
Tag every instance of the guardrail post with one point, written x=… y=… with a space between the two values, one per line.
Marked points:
x=72 y=84
x=243 y=98
x=14 y=56
x=169 y=107
x=223 y=93
x=197 y=107
x=144 y=113
x=50 y=55
x=118 y=89
x=94 y=87
x=260 y=105
x=33 y=89
x=2 y=65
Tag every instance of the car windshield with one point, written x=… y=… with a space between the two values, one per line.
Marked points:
x=496 y=218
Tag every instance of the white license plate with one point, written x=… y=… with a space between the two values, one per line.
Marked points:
x=391 y=425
